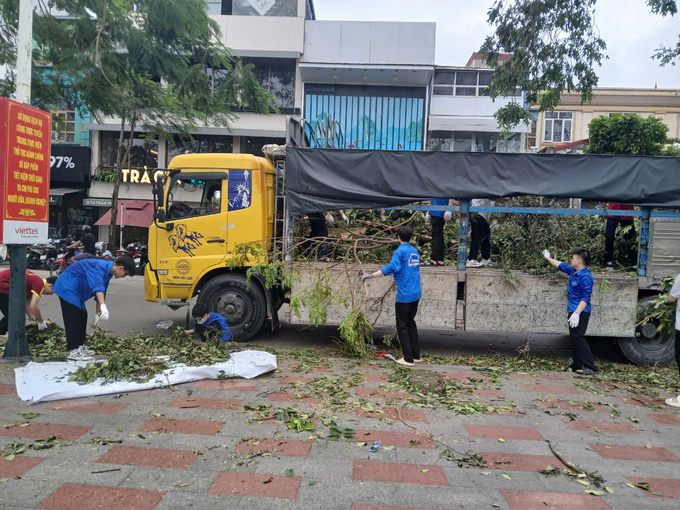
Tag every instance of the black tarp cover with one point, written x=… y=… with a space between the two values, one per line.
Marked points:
x=321 y=179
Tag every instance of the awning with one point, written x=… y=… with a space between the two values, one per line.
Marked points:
x=135 y=213
x=57 y=194
x=479 y=124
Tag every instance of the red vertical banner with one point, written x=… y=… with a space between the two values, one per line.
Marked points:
x=25 y=138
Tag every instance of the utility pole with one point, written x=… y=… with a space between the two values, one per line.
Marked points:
x=16 y=348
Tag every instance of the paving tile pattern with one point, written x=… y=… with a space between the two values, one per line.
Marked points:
x=196 y=446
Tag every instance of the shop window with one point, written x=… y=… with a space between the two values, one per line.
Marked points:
x=557 y=126
x=286 y=8
x=64 y=126
x=439 y=141
x=463 y=141
x=253 y=145
x=275 y=75
x=200 y=144
x=144 y=151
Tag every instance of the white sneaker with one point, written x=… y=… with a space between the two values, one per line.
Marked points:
x=417 y=360
x=87 y=350
x=404 y=363
x=473 y=263
x=488 y=262
x=79 y=355
x=610 y=266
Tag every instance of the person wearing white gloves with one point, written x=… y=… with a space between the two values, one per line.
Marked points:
x=578 y=308
x=36 y=287
x=80 y=282
x=438 y=219
x=330 y=220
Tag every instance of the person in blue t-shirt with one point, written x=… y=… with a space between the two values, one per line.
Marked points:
x=578 y=308
x=209 y=324
x=80 y=282
x=438 y=219
x=405 y=267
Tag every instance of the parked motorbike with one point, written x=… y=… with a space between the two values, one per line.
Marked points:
x=35 y=257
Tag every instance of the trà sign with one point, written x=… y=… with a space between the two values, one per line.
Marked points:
x=143 y=176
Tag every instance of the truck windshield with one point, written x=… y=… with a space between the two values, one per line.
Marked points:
x=189 y=198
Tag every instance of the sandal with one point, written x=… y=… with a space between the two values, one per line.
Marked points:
x=585 y=371
x=565 y=369
x=429 y=263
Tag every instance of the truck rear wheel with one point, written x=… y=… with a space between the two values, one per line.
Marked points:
x=243 y=306
x=649 y=346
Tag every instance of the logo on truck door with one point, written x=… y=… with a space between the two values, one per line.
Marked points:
x=185 y=240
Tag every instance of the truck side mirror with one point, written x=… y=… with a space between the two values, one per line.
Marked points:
x=160 y=215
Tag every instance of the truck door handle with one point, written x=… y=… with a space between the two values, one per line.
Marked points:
x=216 y=240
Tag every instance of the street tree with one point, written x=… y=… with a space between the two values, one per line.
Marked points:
x=145 y=64
x=627 y=134
x=555 y=47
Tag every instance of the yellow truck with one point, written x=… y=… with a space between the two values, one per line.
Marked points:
x=206 y=206
x=209 y=205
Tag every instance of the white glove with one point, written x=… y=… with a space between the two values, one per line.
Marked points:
x=573 y=319
x=329 y=219
x=447 y=215
x=104 y=313
x=345 y=219
x=546 y=254
x=366 y=276
x=427 y=218
x=42 y=326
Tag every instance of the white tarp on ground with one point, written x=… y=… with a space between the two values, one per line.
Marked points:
x=41 y=382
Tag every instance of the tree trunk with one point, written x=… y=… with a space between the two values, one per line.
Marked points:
x=122 y=157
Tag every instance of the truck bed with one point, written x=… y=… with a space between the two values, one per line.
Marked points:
x=481 y=299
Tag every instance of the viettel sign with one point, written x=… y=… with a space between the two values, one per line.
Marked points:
x=25 y=134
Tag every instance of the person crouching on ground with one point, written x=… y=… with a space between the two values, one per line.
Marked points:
x=209 y=324
x=578 y=307
x=36 y=287
x=80 y=282
x=405 y=267
x=673 y=298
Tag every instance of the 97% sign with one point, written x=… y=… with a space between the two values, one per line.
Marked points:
x=59 y=161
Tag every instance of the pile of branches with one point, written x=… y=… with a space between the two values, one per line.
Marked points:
x=517 y=240
x=139 y=358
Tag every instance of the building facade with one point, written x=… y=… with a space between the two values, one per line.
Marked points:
x=461 y=113
x=366 y=83
x=568 y=123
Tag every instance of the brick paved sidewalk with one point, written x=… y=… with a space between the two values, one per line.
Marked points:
x=215 y=444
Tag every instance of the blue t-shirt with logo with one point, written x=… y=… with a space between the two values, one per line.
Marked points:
x=405 y=267
x=580 y=287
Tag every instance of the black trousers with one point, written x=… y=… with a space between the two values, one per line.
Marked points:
x=407 y=331
x=437 y=239
x=583 y=357
x=677 y=349
x=480 y=236
x=630 y=237
x=319 y=229
x=75 y=324
x=4 y=308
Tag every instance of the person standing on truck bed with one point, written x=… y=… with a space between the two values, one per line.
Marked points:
x=438 y=219
x=673 y=298
x=405 y=266
x=578 y=307
x=630 y=235
x=318 y=223
x=480 y=234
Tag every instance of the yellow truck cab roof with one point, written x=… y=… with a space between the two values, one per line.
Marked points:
x=218 y=161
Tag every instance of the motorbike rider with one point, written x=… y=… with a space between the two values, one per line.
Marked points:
x=87 y=243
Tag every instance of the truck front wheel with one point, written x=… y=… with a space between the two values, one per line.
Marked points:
x=243 y=305
x=649 y=346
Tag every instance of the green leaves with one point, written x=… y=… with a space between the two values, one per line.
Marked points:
x=290 y=472
x=627 y=134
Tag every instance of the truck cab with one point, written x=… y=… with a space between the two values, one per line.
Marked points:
x=206 y=206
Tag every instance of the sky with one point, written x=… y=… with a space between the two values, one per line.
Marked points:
x=631 y=32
